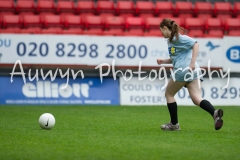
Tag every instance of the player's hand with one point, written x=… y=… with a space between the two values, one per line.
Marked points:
x=159 y=61
x=192 y=66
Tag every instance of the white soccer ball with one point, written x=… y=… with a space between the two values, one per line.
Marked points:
x=46 y=121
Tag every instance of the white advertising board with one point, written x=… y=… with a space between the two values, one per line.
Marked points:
x=146 y=92
x=95 y=50
x=231 y=54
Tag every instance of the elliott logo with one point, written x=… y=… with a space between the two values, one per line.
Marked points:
x=47 y=89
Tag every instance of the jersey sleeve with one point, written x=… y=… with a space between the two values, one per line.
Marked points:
x=189 y=41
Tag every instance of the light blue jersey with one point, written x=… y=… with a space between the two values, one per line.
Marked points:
x=180 y=52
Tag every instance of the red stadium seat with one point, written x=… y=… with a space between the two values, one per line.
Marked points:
x=125 y=7
x=6 y=13
x=166 y=15
x=213 y=24
x=94 y=22
x=63 y=14
x=45 y=6
x=144 y=7
x=134 y=32
x=25 y=6
x=72 y=31
x=164 y=8
x=203 y=8
x=135 y=23
x=51 y=31
x=1 y=17
x=114 y=22
x=73 y=22
x=25 y=0
x=222 y=8
x=153 y=33
x=183 y=16
x=153 y=23
x=105 y=7
x=195 y=33
x=84 y=15
x=30 y=31
x=204 y=16
x=236 y=8
x=232 y=24
x=22 y=14
x=43 y=14
x=113 y=32
x=145 y=15
x=53 y=21
x=126 y=15
x=105 y=15
x=234 y=33
x=183 y=8
x=7 y=6
x=194 y=23
x=93 y=31
x=32 y=21
x=64 y=6
x=214 y=34
x=223 y=17
x=12 y=21
x=10 y=30
x=85 y=7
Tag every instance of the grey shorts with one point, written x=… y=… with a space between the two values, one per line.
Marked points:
x=186 y=76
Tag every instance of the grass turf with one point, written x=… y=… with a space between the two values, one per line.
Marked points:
x=116 y=132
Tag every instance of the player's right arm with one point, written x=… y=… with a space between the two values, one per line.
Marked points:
x=164 y=61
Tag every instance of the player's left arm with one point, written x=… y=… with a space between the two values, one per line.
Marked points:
x=194 y=55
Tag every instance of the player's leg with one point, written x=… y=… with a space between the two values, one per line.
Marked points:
x=195 y=93
x=171 y=90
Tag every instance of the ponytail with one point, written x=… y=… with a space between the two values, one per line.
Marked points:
x=174 y=31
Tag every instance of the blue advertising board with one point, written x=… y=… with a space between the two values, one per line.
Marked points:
x=78 y=91
x=231 y=54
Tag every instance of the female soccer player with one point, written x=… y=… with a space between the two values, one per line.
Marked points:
x=183 y=52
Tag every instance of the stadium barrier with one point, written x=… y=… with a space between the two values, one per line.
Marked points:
x=107 y=52
x=95 y=50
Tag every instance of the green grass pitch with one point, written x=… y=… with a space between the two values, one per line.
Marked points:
x=117 y=133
